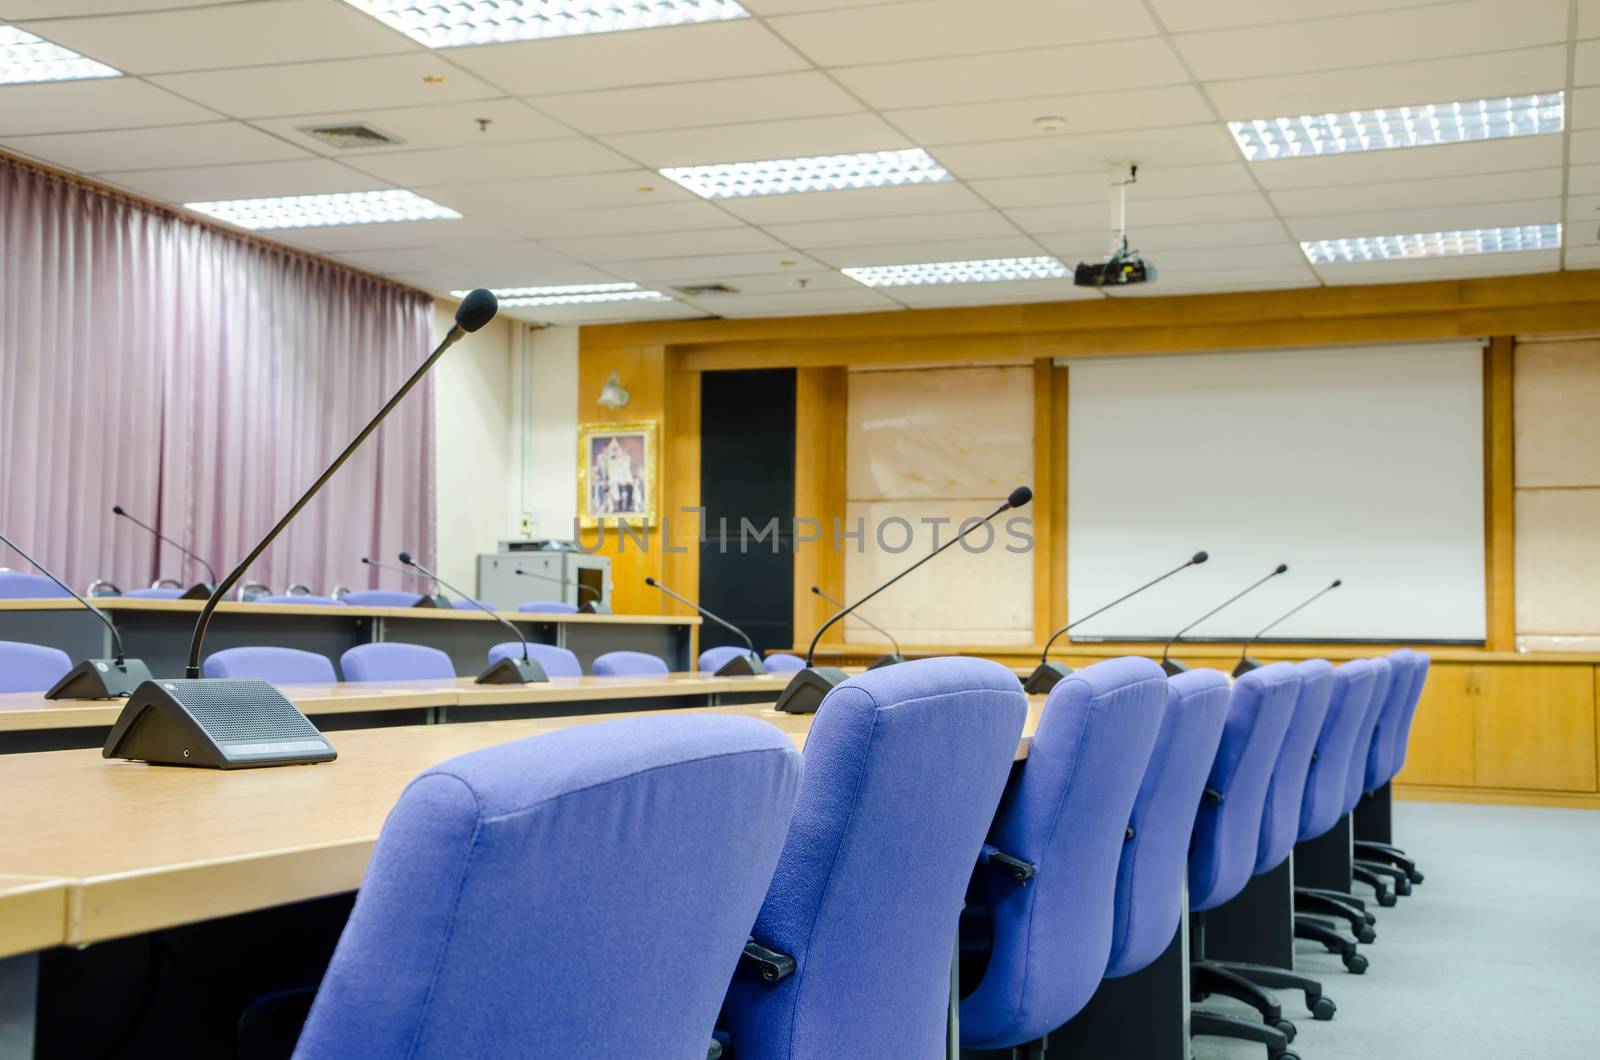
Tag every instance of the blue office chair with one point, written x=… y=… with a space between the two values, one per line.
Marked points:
x=1373 y=827
x=581 y=893
x=712 y=659
x=781 y=662
x=1047 y=883
x=297 y=598
x=853 y=946
x=629 y=664
x=18 y=585
x=281 y=666
x=380 y=598
x=552 y=607
x=391 y=661
x=1388 y=881
x=156 y=592
x=31 y=667
x=556 y=662
x=471 y=605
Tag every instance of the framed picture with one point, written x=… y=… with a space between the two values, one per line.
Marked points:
x=617 y=465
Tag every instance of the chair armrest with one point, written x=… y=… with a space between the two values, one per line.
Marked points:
x=772 y=966
x=1022 y=870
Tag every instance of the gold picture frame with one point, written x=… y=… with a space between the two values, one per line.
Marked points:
x=614 y=461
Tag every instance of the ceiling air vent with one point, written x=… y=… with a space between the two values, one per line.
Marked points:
x=349 y=135
x=697 y=289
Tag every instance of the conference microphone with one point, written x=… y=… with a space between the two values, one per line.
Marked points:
x=1246 y=664
x=433 y=599
x=882 y=660
x=596 y=606
x=224 y=723
x=198 y=591
x=92 y=678
x=507 y=671
x=739 y=665
x=1047 y=673
x=1173 y=666
x=810 y=686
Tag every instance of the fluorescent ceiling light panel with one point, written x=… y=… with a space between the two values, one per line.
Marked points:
x=1265 y=139
x=988 y=270
x=782 y=176
x=573 y=294
x=316 y=211
x=1432 y=244
x=25 y=58
x=454 y=23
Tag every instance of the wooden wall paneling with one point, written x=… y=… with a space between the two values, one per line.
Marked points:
x=680 y=489
x=1049 y=508
x=1499 y=495
x=1535 y=727
x=819 y=493
x=1441 y=746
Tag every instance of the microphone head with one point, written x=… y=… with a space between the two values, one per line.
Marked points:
x=365 y=560
x=1336 y=583
x=650 y=581
x=116 y=509
x=405 y=557
x=476 y=309
x=1281 y=568
x=817 y=589
x=1200 y=557
x=1019 y=496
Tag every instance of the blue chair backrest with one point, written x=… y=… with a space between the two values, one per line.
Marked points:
x=712 y=658
x=903 y=768
x=781 y=662
x=553 y=607
x=18 y=585
x=1404 y=663
x=556 y=662
x=471 y=605
x=1402 y=735
x=281 y=666
x=297 y=598
x=1327 y=778
x=161 y=592
x=1155 y=858
x=1280 y=816
x=1222 y=854
x=381 y=598
x=628 y=664
x=581 y=893
x=1067 y=814
x=1355 y=782
x=31 y=667
x=390 y=661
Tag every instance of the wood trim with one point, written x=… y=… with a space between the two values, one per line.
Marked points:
x=821 y=423
x=1499 y=468
x=680 y=454
x=1049 y=509
x=1579 y=800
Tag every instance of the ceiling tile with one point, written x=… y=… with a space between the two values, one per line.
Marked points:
x=1416 y=270
x=790 y=7
x=1583 y=108
x=1388 y=36
x=618 y=220
x=213 y=143
x=20 y=9
x=1411 y=163
x=487 y=274
x=861 y=300
x=1220 y=283
x=736 y=48
x=1185 y=16
x=1297 y=274
x=699 y=103
x=929 y=28
x=516 y=255
x=789 y=281
x=1157 y=239
x=621 y=188
x=975 y=225
x=1010 y=246
x=448 y=125
x=929 y=296
x=795 y=138
x=315 y=88
x=1589 y=18
x=860 y=202
x=344 y=239
x=1582 y=215
x=1152 y=148
x=269 y=31
x=1407 y=194
x=310 y=176
x=1178 y=181
x=1014 y=75
x=605 y=312
x=1247 y=206
x=1586 y=63
x=714 y=267
x=1014 y=119
x=539 y=158
x=1427 y=219
x=602 y=249
x=1185 y=262
x=1583 y=180
x=101 y=103
x=1583 y=257
x=1583 y=147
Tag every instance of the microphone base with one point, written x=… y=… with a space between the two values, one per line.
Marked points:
x=886 y=660
x=1173 y=667
x=1245 y=665
x=745 y=665
x=808 y=688
x=595 y=607
x=433 y=601
x=215 y=723
x=198 y=591
x=101 y=679
x=1045 y=676
x=513 y=670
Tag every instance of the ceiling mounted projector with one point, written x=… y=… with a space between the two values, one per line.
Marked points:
x=1122 y=266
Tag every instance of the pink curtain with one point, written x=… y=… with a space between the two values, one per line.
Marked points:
x=202 y=381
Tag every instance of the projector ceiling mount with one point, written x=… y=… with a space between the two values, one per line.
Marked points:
x=1122 y=266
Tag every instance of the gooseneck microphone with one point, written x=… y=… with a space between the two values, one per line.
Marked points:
x=1047 y=673
x=1173 y=666
x=507 y=671
x=595 y=606
x=811 y=685
x=739 y=665
x=882 y=660
x=225 y=723
x=433 y=599
x=92 y=678
x=195 y=592
x=1245 y=663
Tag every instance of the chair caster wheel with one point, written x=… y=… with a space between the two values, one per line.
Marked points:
x=1387 y=899
x=1285 y=1055
x=1322 y=1008
x=1370 y=919
x=1354 y=963
x=1415 y=876
x=1366 y=934
x=1287 y=1029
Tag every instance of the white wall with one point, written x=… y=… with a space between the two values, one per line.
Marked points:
x=549 y=431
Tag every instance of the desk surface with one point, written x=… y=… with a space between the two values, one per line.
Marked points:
x=145 y=847
x=123 y=603
x=33 y=914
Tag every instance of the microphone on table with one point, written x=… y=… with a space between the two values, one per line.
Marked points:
x=809 y=686
x=197 y=591
x=507 y=671
x=882 y=660
x=225 y=723
x=596 y=606
x=92 y=678
x=739 y=665
x=1047 y=673
x=433 y=599
x=1246 y=664
x=1173 y=666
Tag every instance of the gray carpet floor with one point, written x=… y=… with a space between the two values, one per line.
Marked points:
x=1496 y=955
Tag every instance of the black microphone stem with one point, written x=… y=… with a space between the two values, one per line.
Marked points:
x=116 y=638
x=1279 y=620
x=1045 y=655
x=397 y=570
x=839 y=603
x=509 y=625
x=719 y=621
x=1282 y=567
x=117 y=509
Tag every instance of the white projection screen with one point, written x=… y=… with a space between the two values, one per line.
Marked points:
x=1362 y=463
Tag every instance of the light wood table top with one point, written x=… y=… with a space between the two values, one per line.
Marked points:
x=33 y=914
x=146 y=847
x=235 y=607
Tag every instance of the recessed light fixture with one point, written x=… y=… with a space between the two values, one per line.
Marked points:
x=25 y=58
x=783 y=176
x=573 y=294
x=1432 y=244
x=987 y=270
x=455 y=23
x=314 y=211
x=1344 y=132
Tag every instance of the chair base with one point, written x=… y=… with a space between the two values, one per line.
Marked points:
x=1401 y=882
x=1217 y=1025
x=1384 y=893
x=1328 y=903
x=1391 y=855
x=1315 y=930
x=1318 y=1004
